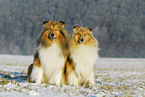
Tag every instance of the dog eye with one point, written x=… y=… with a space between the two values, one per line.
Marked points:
x=84 y=34
x=50 y=29
x=79 y=34
x=55 y=29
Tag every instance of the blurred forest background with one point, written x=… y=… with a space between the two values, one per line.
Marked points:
x=119 y=25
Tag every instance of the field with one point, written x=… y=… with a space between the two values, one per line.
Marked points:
x=122 y=77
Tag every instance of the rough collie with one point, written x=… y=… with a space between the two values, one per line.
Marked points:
x=83 y=55
x=50 y=58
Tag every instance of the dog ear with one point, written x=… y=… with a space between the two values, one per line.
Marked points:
x=76 y=28
x=90 y=30
x=45 y=22
x=62 y=23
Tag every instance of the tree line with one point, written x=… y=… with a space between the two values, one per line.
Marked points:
x=119 y=25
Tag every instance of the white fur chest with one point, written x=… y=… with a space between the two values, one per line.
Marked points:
x=84 y=58
x=52 y=59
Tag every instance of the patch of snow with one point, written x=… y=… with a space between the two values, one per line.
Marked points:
x=32 y=93
x=113 y=77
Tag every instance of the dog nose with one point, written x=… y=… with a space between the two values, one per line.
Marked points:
x=52 y=35
x=82 y=40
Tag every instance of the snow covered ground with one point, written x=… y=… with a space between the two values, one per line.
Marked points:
x=113 y=77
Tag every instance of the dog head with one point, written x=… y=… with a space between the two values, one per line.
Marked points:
x=51 y=32
x=82 y=35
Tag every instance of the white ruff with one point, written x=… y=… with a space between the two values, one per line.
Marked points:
x=84 y=59
x=52 y=62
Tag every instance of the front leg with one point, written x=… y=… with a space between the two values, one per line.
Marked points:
x=36 y=75
x=72 y=78
x=91 y=79
x=56 y=77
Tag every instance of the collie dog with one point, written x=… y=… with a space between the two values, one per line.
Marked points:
x=83 y=49
x=50 y=58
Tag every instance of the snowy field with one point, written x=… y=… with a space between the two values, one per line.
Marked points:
x=123 y=77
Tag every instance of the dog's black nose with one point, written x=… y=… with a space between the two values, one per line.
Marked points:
x=82 y=40
x=52 y=35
